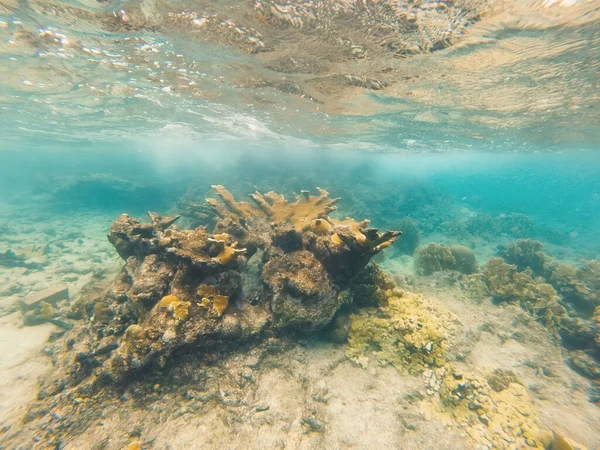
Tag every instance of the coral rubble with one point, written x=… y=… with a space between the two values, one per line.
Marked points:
x=267 y=265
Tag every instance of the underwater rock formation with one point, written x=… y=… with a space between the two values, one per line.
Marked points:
x=266 y=266
x=438 y=257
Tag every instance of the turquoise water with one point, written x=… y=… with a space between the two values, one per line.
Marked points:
x=468 y=123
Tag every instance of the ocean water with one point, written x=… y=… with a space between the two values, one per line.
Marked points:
x=469 y=125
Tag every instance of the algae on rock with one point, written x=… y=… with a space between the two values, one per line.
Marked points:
x=406 y=331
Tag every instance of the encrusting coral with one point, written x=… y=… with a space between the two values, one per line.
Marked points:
x=414 y=335
x=186 y=288
x=406 y=331
x=503 y=417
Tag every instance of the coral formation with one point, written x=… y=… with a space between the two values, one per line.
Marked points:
x=406 y=331
x=562 y=297
x=466 y=262
x=506 y=283
x=189 y=288
x=526 y=253
x=503 y=417
x=438 y=257
x=414 y=335
x=579 y=286
x=434 y=258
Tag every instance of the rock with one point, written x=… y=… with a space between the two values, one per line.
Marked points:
x=263 y=267
x=51 y=295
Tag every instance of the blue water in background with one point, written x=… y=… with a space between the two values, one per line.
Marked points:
x=557 y=191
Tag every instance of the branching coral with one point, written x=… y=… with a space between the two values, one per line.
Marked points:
x=275 y=208
x=188 y=287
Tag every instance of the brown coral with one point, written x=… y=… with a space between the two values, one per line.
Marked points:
x=187 y=287
x=437 y=257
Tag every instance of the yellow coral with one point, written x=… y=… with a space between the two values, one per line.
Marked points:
x=227 y=253
x=134 y=446
x=46 y=311
x=212 y=300
x=490 y=418
x=205 y=303
x=206 y=290
x=242 y=209
x=300 y=214
x=409 y=333
x=167 y=300
x=355 y=228
x=336 y=239
x=179 y=309
x=220 y=303
x=320 y=225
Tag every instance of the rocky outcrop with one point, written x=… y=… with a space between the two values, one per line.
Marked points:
x=197 y=289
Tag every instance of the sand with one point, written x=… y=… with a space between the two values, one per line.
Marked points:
x=302 y=394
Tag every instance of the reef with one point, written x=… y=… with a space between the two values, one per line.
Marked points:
x=564 y=298
x=266 y=266
x=416 y=337
x=405 y=331
x=438 y=257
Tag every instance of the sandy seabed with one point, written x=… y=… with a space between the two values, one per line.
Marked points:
x=295 y=393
